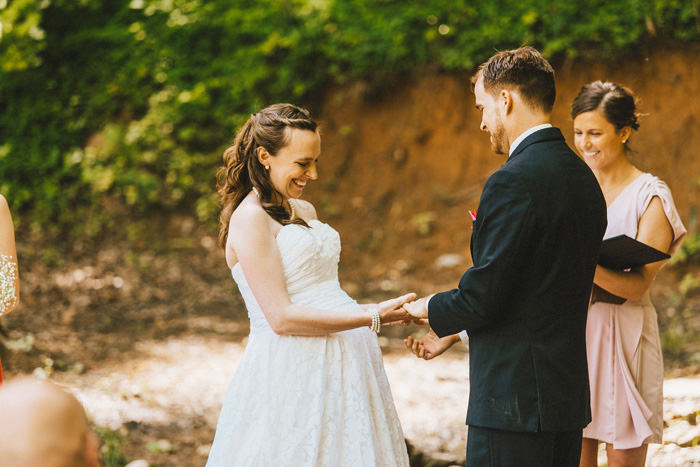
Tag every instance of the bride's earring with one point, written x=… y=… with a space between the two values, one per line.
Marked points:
x=267 y=167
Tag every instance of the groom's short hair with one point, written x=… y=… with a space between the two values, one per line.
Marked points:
x=523 y=69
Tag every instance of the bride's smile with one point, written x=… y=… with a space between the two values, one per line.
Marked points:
x=295 y=164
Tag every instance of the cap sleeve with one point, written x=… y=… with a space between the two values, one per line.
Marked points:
x=655 y=187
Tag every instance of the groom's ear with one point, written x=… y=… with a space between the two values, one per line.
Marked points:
x=505 y=101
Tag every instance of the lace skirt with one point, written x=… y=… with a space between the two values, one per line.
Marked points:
x=309 y=401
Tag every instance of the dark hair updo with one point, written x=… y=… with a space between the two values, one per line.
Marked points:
x=270 y=128
x=616 y=102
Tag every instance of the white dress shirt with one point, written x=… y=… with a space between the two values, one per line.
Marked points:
x=525 y=134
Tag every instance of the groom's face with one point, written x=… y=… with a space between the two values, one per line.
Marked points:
x=491 y=120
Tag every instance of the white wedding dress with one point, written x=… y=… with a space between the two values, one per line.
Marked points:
x=308 y=401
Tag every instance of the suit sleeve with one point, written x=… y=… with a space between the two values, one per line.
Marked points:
x=499 y=244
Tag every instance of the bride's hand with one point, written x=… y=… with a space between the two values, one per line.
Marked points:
x=391 y=311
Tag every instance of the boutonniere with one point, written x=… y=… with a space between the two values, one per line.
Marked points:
x=473 y=214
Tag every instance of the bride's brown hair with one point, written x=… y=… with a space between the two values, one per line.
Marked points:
x=269 y=129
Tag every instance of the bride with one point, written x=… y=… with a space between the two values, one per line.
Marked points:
x=311 y=388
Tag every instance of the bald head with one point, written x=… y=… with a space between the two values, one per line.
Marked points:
x=42 y=424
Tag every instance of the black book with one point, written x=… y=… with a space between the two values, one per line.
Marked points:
x=623 y=252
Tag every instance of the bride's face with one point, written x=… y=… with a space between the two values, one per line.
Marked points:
x=295 y=164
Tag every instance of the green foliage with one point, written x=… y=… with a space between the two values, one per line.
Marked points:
x=129 y=103
x=159 y=446
x=689 y=251
x=111 y=447
x=672 y=344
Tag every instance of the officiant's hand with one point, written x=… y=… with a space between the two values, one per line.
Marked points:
x=430 y=346
x=417 y=308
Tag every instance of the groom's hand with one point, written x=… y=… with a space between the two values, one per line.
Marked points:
x=430 y=346
x=417 y=308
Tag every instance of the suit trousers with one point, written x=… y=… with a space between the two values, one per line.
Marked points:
x=489 y=447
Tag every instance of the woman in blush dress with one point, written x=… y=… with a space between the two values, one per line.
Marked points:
x=624 y=350
x=9 y=279
x=310 y=389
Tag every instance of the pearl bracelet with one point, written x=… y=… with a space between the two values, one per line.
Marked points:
x=376 y=322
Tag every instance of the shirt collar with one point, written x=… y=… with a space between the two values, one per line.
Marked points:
x=525 y=134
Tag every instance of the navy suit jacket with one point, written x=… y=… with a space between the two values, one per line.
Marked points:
x=524 y=303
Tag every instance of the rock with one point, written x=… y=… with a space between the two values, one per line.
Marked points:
x=676 y=432
x=204 y=450
x=400 y=155
x=448 y=261
x=138 y=463
x=690 y=438
x=678 y=388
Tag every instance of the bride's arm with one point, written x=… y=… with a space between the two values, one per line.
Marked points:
x=252 y=238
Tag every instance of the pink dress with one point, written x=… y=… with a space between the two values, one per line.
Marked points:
x=624 y=351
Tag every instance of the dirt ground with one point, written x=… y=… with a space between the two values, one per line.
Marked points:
x=162 y=399
x=150 y=344
x=148 y=337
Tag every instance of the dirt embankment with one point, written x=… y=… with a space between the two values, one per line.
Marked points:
x=403 y=162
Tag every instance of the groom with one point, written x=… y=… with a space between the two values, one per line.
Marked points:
x=523 y=304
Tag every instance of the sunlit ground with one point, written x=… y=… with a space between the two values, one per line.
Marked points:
x=180 y=383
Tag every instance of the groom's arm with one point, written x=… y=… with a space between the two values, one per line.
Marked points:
x=463 y=335
x=499 y=244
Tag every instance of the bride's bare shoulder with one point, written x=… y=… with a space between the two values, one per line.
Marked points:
x=305 y=210
x=249 y=226
x=249 y=218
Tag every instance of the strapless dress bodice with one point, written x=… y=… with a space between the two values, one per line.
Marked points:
x=310 y=258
